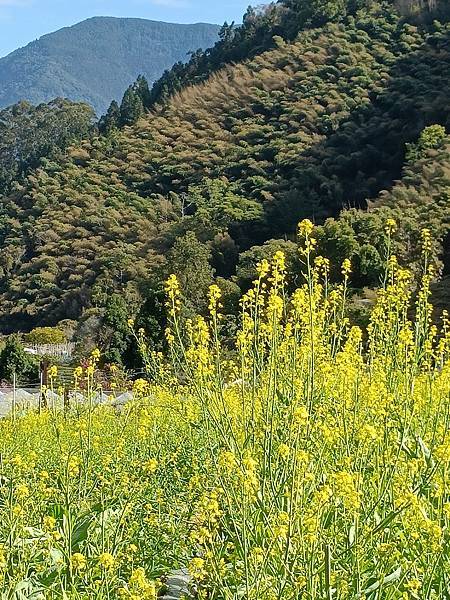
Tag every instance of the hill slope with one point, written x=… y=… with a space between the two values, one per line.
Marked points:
x=95 y=60
x=302 y=130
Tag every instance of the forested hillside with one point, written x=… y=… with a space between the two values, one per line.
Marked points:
x=285 y=18
x=28 y=133
x=344 y=114
x=97 y=59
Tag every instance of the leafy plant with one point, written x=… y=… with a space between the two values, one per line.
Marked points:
x=15 y=361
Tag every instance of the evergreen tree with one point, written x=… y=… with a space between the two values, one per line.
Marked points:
x=111 y=120
x=131 y=108
x=142 y=90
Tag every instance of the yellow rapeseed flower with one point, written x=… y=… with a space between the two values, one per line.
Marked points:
x=150 y=466
x=346 y=267
x=53 y=372
x=197 y=569
x=305 y=227
x=391 y=226
x=106 y=560
x=78 y=561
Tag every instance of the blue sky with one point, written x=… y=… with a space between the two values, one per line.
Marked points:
x=22 y=21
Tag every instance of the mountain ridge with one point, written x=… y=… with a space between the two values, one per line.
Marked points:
x=61 y=64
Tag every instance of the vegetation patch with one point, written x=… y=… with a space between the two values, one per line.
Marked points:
x=310 y=462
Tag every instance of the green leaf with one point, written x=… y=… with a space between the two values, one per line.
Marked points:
x=80 y=530
x=352 y=535
x=27 y=589
x=426 y=452
x=395 y=576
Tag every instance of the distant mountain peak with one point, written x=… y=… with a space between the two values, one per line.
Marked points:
x=95 y=60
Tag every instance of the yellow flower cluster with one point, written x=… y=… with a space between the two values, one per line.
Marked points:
x=78 y=561
x=139 y=587
x=214 y=297
x=313 y=416
x=173 y=294
x=106 y=560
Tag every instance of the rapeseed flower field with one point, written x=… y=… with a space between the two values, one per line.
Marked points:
x=311 y=461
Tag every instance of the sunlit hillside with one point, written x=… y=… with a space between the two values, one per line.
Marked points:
x=305 y=129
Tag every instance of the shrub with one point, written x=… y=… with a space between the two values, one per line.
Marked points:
x=14 y=359
x=46 y=335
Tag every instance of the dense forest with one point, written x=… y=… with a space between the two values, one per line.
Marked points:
x=28 y=133
x=336 y=111
x=95 y=60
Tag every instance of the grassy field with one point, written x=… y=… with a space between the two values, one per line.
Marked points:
x=310 y=462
